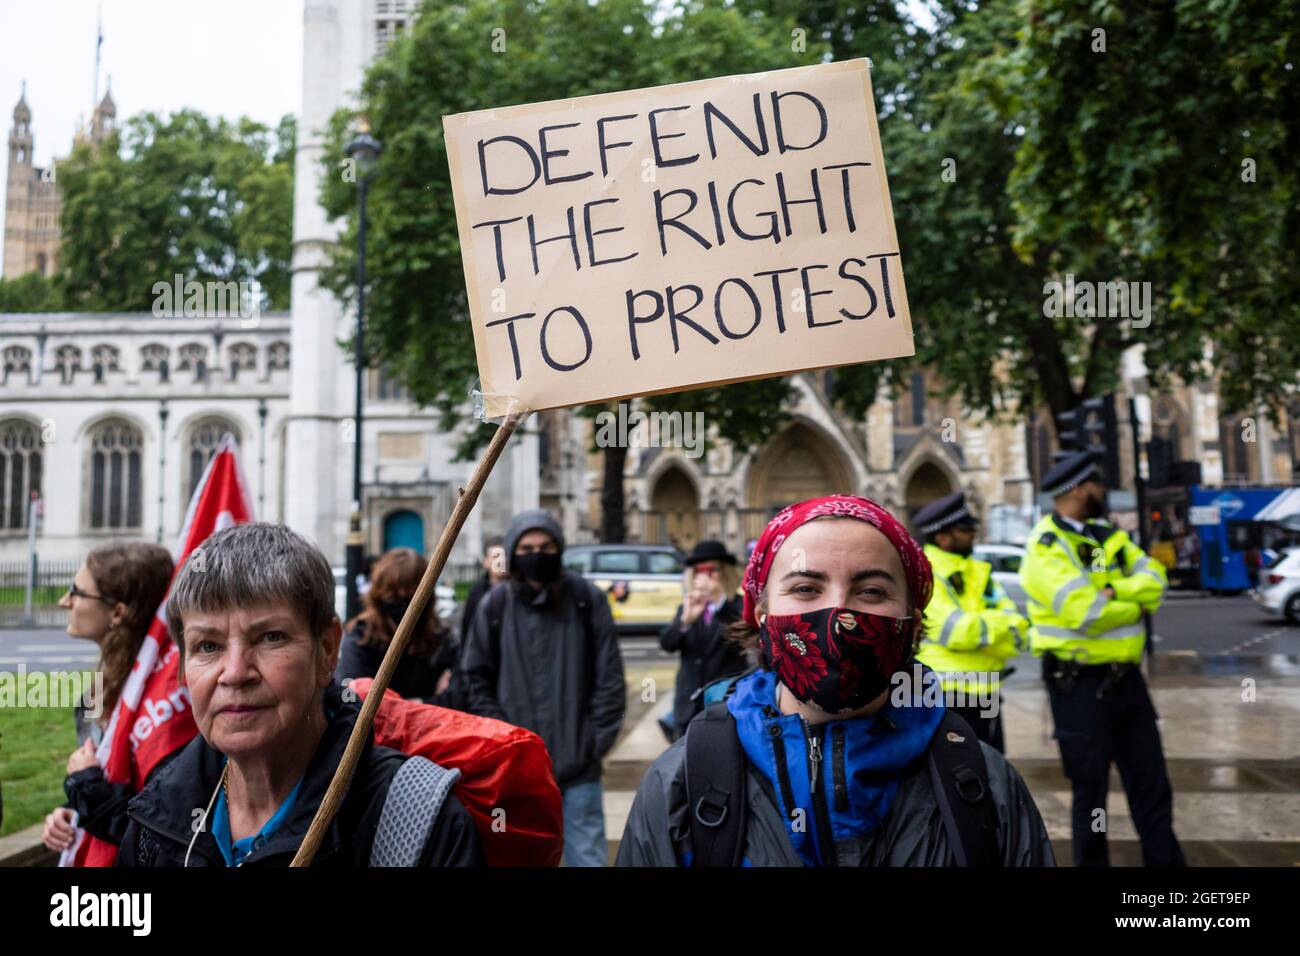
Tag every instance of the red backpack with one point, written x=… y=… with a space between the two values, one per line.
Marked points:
x=506 y=782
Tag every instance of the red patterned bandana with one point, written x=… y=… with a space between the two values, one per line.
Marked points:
x=916 y=566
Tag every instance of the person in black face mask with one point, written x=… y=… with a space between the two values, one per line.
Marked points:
x=542 y=654
x=426 y=668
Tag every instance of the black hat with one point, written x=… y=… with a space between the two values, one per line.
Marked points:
x=1071 y=472
x=948 y=511
x=710 y=551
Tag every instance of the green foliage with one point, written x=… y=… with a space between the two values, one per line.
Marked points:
x=1123 y=165
x=32 y=292
x=416 y=320
x=208 y=199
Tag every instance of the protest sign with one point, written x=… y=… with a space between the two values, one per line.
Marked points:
x=675 y=237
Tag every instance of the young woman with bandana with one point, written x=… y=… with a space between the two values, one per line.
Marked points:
x=835 y=762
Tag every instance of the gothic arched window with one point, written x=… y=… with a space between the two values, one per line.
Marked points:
x=67 y=359
x=194 y=358
x=203 y=441
x=20 y=471
x=243 y=358
x=104 y=359
x=116 y=470
x=156 y=357
x=17 y=360
x=277 y=355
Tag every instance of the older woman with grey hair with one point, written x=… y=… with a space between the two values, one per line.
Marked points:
x=252 y=613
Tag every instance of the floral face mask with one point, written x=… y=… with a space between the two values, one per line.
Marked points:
x=836 y=658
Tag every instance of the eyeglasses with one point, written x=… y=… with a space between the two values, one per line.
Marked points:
x=77 y=592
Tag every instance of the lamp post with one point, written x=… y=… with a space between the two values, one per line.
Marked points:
x=364 y=151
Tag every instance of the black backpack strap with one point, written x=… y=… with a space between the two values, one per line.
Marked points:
x=960 y=778
x=715 y=788
x=580 y=592
x=496 y=605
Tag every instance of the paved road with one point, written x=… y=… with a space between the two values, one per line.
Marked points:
x=1223 y=625
x=44 y=649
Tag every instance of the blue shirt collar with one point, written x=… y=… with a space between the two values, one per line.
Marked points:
x=233 y=852
x=876 y=750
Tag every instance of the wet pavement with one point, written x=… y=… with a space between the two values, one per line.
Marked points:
x=1230 y=724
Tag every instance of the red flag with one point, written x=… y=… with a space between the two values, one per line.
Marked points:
x=153 y=715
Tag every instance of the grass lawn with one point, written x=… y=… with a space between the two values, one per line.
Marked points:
x=34 y=747
x=44 y=596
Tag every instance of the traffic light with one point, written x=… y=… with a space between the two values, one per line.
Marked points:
x=1160 y=462
x=1092 y=426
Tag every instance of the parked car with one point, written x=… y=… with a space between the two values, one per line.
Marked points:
x=1279 y=586
x=1006 y=559
x=643 y=581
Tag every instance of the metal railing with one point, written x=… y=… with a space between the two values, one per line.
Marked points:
x=50 y=583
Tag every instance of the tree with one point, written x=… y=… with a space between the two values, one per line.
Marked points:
x=207 y=199
x=501 y=54
x=1019 y=152
x=31 y=292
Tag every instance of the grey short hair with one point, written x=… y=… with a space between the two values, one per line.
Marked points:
x=252 y=564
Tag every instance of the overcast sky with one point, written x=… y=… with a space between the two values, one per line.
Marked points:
x=229 y=58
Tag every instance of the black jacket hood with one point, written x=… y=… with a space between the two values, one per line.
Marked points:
x=527 y=521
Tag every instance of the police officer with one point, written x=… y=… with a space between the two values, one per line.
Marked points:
x=1089 y=586
x=971 y=626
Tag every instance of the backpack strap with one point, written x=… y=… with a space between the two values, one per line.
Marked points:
x=715 y=789
x=416 y=794
x=496 y=608
x=960 y=778
x=581 y=594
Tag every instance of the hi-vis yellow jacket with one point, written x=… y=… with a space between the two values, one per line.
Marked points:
x=1064 y=573
x=971 y=626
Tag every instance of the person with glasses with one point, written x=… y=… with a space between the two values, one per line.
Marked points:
x=698 y=630
x=112 y=601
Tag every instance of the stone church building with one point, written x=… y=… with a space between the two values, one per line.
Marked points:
x=112 y=417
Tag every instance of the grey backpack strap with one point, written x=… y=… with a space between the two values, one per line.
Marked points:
x=418 y=791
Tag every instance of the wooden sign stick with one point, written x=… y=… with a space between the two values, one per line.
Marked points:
x=423 y=594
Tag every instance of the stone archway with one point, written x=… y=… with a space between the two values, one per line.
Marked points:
x=799 y=463
x=675 y=504
x=927 y=483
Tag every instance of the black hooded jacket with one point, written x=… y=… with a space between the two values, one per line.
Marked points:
x=162 y=814
x=541 y=672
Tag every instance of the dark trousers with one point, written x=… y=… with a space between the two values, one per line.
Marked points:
x=987 y=729
x=1104 y=715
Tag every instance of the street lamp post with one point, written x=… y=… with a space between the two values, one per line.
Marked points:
x=364 y=150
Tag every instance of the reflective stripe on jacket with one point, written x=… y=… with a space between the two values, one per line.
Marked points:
x=971 y=626
x=1064 y=574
